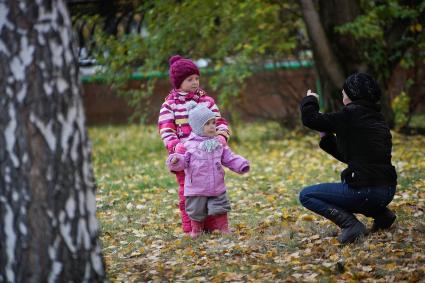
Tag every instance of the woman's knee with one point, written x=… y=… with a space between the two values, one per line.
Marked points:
x=304 y=196
x=309 y=193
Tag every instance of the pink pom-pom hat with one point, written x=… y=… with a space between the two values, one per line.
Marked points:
x=180 y=69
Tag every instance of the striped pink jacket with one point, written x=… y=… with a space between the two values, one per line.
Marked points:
x=173 y=124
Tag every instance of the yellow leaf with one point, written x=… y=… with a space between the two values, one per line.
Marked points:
x=307 y=217
x=390 y=266
x=372 y=247
x=189 y=252
x=270 y=198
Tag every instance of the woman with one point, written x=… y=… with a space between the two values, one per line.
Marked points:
x=358 y=136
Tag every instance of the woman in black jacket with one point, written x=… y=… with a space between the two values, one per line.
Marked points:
x=358 y=136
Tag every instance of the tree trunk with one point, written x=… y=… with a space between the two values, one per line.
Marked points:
x=48 y=226
x=336 y=55
x=333 y=13
x=329 y=66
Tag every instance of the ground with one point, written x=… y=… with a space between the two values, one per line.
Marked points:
x=274 y=238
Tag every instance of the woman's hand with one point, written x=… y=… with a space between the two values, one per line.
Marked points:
x=309 y=93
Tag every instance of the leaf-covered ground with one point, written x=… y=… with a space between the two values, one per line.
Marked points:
x=274 y=239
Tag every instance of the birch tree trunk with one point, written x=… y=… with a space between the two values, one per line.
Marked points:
x=48 y=226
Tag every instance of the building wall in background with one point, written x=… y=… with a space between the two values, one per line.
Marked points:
x=271 y=94
x=276 y=93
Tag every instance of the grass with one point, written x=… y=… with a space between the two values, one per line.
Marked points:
x=274 y=238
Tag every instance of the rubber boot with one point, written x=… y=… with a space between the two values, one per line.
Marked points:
x=209 y=223
x=218 y=222
x=352 y=228
x=197 y=228
x=383 y=220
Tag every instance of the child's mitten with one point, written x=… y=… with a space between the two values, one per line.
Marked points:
x=222 y=140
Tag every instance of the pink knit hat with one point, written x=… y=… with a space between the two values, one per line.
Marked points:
x=180 y=69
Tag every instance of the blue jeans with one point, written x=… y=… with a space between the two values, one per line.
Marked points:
x=323 y=198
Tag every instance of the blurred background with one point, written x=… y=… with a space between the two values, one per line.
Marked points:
x=257 y=58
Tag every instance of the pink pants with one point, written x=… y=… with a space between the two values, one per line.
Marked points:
x=186 y=225
x=185 y=218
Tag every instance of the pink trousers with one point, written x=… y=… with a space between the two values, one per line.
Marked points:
x=185 y=218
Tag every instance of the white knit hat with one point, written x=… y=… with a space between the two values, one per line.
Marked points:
x=199 y=115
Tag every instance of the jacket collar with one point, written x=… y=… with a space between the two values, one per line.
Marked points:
x=195 y=137
x=368 y=104
x=187 y=96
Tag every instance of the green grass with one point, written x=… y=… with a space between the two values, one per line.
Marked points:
x=273 y=240
x=418 y=121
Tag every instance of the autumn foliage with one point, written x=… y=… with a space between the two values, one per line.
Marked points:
x=274 y=238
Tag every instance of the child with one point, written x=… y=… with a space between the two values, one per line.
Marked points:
x=202 y=162
x=172 y=122
x=363 y=142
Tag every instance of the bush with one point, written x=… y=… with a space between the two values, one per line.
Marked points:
x=400 y=106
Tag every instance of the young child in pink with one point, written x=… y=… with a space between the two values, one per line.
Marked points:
x=202 y=162
x=173 y=124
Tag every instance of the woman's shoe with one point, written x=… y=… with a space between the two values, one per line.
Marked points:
x=352 y=229
x=384 y=220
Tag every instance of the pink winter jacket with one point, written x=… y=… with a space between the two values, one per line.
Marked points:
x=173 y=124
x=204 y=173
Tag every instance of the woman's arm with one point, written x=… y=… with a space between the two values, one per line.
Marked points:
x=313 y=119
x=328 y=143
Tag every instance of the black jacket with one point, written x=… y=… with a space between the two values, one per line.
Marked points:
x=362 y=141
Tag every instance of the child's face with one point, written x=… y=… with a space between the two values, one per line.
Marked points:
x=190 y=84
x=210 y=128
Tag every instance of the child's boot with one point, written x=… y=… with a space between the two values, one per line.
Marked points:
x=220 y=222
x=186 y=222
x=197 y=228
x=209 y=223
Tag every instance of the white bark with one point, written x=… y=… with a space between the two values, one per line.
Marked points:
x=47 y=198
